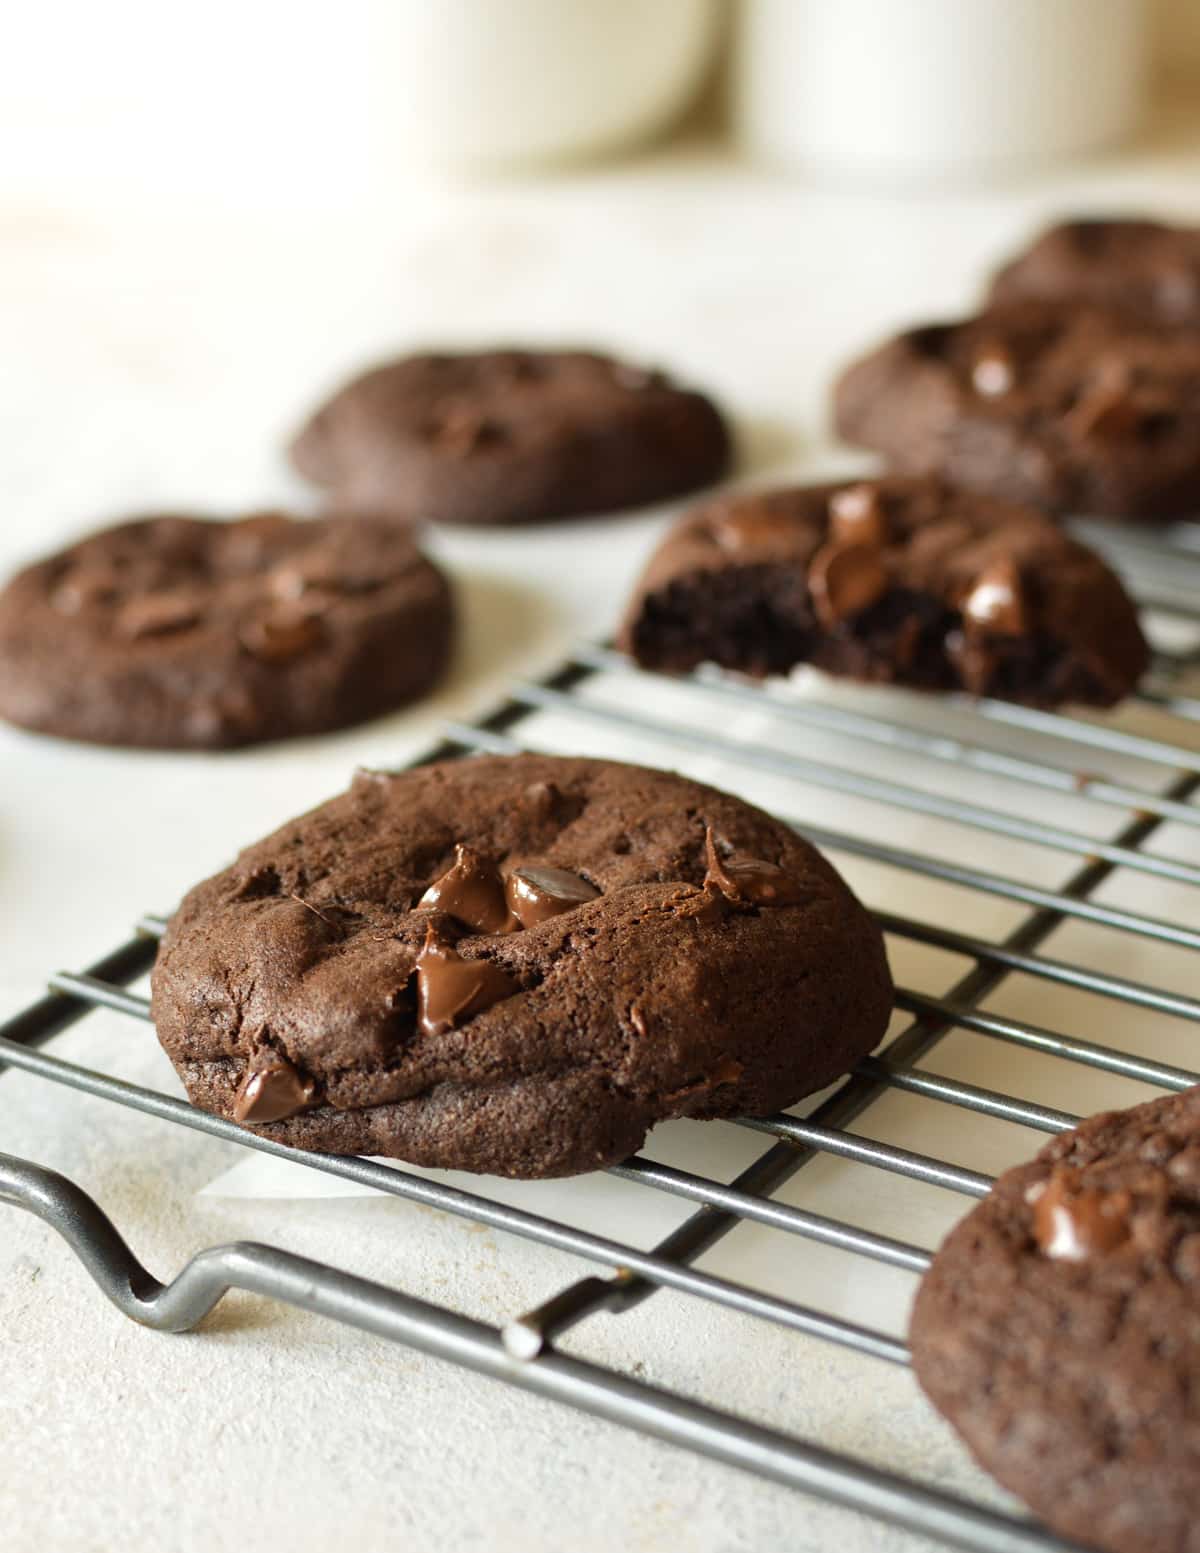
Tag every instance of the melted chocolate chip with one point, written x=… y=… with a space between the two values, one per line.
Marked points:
x=749 y=882
x=746 y=527
x=857 y=517
x=844 y=580
x=993 y=372
x=995 y=602
x=726 y=1072
x=459 y=428
x=535 y=894
x=1072 y=1222
x=156 y=614
x=84 y=585
x=272 y=1093
x=280 y=636
x=472 y=892
x=1107 y=414
x=705 y=906
x=450 y=990
x=542 y=799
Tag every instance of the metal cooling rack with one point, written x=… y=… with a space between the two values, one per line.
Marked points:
x=1164 y=572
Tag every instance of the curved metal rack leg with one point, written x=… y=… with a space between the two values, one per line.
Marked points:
x=372 y=1307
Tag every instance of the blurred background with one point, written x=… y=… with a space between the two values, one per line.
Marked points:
x=310 y=103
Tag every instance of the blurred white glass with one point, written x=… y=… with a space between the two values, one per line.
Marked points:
x=486 y=83
x=937 y=88
x=323 y=101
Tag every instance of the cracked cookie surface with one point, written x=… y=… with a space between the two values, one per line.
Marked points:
x=1059 y=1329
x=186 y=633
x=901 y=581
x=669 y=951
x=1074 y=408
x=510 y=436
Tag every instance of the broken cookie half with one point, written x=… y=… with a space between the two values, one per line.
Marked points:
x=902 y=581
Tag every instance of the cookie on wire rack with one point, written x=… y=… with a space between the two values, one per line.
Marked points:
x=1074 y=408
x=1058 y=1330
x=1135 y=264
x=517 y=964
x=899 y=581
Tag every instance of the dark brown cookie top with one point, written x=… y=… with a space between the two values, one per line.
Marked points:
x=183 y=632
x=1142 y=266
x=519 y=965
x=1075 y=409
x=901 y=579
x=510 y=436
x=1058 y=1329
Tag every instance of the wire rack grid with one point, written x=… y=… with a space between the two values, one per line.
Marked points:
x=1141 y=822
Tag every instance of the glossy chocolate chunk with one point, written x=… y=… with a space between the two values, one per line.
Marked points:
x=280 y=635
x=472 y=892
x=857 y=516
x=272 y=1093
x=995 y=604
x=1107 y=414
x=749 y=881
x=535 y=893
x=450 y=990
x=994 y=370
x=461 y=429
x=845 y=580
x=1072 y=1222
x=156 y=615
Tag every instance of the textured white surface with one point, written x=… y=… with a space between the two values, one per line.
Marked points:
x=160 y=358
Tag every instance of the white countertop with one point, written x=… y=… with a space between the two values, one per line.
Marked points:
x=158 y=359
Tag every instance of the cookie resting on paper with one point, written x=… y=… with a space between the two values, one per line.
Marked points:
x=186 y=633
x=510 y=436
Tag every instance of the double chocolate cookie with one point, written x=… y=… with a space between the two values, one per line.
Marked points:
x=1077 y=409
x=1139 y=266
x=1059 y=1330
x=902 y=581
x=510 y=436
x=517 y=965
x=183 y=633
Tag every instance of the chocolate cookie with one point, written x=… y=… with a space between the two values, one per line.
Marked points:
x=1075 y=409
x=183 y=633
x=510 y=437
x=1145 y=267
x=517 y=965
x=902 y=581
x=1059 y=1330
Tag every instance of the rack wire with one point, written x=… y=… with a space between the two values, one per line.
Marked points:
x=1164 y=572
